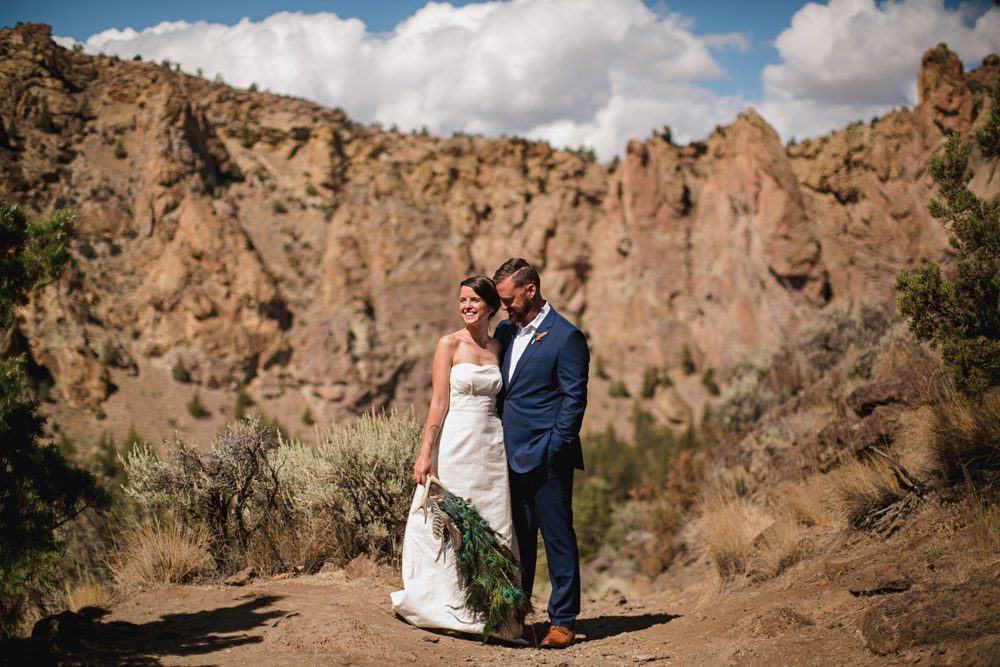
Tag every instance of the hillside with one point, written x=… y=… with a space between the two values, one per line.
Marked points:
x=803 y=483
x=252 y=240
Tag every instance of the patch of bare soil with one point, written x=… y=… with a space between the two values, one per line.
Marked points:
x=913 y=598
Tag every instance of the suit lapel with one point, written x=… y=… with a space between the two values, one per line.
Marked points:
x=532 y=346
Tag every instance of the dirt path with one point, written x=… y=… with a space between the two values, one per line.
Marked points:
x=915 y=598
x=334 y=619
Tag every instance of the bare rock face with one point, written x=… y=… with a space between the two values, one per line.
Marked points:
x=945 y=99
x=265 y=240
x=706 y=246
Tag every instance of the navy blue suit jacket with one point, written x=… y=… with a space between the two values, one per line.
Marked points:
x=543 y=403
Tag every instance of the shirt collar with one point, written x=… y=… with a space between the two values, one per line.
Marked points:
x=537 y=322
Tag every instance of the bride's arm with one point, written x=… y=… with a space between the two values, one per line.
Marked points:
x=441 y=388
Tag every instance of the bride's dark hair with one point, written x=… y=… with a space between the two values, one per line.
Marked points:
x=486 y=290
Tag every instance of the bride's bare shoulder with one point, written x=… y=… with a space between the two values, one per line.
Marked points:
x=450 y=341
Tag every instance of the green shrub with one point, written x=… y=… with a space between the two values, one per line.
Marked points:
x=592 y=508
x=109 y=353
x=196 y=408
x=278 y=427
x=44 y=120
x=652 y=378
x=180 y=372
x=708 y=379
x=66 y=447
x=654 y=442
x=599 y=368
x=104 y=461
x=232 y=487
x=307 y=417
x=276 y=505
x=962 y=314
x=120 y=152
x=627 y=464
x=248 y=135
x=687 y=361
x=243 y=402
x=39 y=490
x=44 y=391
x=618 y=390
x=351 y=493
x=612 y=458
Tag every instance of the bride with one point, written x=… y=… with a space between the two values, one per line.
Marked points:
x=463 y=447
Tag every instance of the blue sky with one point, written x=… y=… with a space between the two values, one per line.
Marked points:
x=573 y=72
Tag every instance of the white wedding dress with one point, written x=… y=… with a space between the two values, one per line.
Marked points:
x=472 y=464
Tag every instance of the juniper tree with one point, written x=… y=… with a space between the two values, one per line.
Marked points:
x=39 y=490
x=961 y=315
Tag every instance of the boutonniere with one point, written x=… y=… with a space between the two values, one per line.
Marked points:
x=539 y=336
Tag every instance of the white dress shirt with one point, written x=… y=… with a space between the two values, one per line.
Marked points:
x=523 y=336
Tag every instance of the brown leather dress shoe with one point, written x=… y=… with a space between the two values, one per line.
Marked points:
x=558 y=637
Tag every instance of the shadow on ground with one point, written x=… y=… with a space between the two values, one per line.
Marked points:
x=602 y=627
x=70 y=639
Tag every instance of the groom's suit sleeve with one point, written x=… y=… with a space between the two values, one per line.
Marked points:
x=502 y=334
x=572 y=369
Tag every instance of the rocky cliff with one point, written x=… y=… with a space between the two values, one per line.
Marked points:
x=259 y=240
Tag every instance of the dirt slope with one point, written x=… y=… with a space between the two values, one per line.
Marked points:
x=914 y=598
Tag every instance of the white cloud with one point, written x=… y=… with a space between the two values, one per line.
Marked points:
x=573 y=72
x=852 y=59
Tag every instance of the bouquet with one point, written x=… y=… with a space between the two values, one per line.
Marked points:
x=488 y=573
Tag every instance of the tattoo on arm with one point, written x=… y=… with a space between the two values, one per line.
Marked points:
x=433 y=433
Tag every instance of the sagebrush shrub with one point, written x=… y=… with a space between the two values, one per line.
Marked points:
x=232 y=487
x=350 y=494
x=276 y=504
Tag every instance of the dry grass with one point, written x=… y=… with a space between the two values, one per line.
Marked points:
x=87 y=592
x=155 y=551
x=805 y=502
x=777 y=548
x=727 y=530
x=984 y=530
x=962 y=435
x=863 y=489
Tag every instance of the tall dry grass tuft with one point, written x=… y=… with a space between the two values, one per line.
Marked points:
x=778 y=547
x=805 y=502
x=87 y=591
x=153 y=551
x=729 y=522
x=984 y=530
x=863 y=489
x=962 y=435
x=727 y=529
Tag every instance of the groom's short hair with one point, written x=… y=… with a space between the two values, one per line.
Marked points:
x=520 y=270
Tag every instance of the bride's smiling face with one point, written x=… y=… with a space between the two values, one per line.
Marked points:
x=472 y=307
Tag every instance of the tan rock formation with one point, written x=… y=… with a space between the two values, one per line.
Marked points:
x=267 y=240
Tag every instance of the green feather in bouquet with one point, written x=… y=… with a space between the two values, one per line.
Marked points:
x=488 y=573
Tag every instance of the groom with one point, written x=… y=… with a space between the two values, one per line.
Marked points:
x=544 y=370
